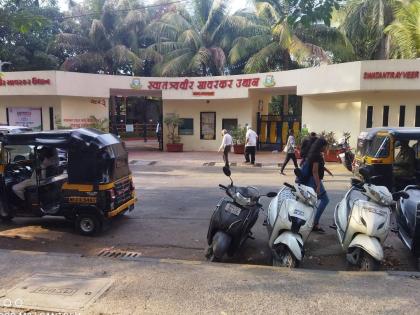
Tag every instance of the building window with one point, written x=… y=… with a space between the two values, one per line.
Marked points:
x=186 y=128
x=208 y=125
x=385 y=116
x=417 y=123
x=369 y=117
x=229 y=124
x=402 y=116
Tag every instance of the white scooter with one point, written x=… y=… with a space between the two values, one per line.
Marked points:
x=362 y=221
x=290 y=220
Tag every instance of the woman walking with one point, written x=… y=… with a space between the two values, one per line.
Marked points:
x=317 y=169
x=289 y=149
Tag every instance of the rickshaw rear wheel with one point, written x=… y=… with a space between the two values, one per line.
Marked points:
x=88 y=224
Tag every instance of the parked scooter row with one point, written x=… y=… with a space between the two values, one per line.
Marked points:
x=362 y=219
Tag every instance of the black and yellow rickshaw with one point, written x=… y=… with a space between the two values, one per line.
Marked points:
x=390 y=155
x=88 y=180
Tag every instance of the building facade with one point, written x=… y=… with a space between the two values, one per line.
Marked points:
x=343 y=97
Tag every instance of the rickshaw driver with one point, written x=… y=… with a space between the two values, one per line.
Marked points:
x=405 y=164
x=48 y=157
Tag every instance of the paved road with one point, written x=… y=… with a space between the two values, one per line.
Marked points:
x=177 y=195
x=151 y=286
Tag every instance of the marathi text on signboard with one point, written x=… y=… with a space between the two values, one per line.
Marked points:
x=24 y=82
x=26 y=117
x=203 y=84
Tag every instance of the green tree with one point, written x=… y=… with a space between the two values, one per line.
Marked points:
x=365 y=23
x=300 y=32
x=110 y=43
x=26 y=28
x=196 y=43
x=404 y=32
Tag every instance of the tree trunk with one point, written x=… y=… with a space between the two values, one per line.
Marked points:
x=286 y=65
x=382 y=51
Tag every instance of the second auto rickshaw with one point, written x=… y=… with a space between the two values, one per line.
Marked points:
x=391 y=155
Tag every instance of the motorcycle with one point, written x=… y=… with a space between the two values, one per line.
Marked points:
x=362 y=222
x=345 y=154
x=232 y=220
x=290 y=220
x=407 y=214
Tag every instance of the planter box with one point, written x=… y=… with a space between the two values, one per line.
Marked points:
x=174 y=147
x=332 y=156
x=239 y=148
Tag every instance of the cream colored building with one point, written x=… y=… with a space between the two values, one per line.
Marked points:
x=342 y=97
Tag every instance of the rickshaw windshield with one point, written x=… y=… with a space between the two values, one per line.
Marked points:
x=361 y=147
x=379 y=147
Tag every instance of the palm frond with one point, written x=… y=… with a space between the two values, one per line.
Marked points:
x=177 y=21
x=405 y=31
x=72 y=42
x=260 y=61
x=202 y=59
x=190 y=38
x=244 y=47
x=177 y=66
x=98 y=36
x=216 y=17
x=88 y=62
x=121 y=55
x=160 y=31
x=150 y=55
x=164 y=48
x=268 y=12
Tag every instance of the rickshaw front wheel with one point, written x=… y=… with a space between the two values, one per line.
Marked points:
x=88 y=224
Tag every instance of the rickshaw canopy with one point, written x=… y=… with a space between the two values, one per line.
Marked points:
x=62 y=138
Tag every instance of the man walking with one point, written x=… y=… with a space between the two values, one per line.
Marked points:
x=250 y=145
x=226 y=145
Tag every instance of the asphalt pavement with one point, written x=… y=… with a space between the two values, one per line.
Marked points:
x=177 y=194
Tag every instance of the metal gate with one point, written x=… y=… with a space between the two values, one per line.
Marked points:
x=273 y=130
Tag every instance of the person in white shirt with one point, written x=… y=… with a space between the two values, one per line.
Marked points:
x=226 y=145
x=250 y=145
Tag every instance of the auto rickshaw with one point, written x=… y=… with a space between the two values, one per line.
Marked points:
x=89 y=183
x=384 y=152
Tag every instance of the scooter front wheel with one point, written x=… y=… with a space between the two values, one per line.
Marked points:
x=284 y=258
x=368 y=263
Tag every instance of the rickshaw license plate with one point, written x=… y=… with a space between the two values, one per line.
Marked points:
x=233 y=209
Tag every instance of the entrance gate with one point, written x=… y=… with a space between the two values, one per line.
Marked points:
x=273 y=130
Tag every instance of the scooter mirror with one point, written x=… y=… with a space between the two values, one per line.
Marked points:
x=226 y=171
x=356 y=182
x=271 y=194
x=400 y=194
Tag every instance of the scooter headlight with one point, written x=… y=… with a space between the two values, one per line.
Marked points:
x=243 y=201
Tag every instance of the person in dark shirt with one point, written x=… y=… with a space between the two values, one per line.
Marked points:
x=306 y=146
x=317 y=167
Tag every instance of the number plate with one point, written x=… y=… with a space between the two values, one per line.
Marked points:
x=233 y=209
x=299 y=214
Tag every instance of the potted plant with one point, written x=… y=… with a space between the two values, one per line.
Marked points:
x=239 y=139
x=172 y=121
x=332 y=152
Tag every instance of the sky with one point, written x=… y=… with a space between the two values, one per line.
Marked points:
x=235 y=4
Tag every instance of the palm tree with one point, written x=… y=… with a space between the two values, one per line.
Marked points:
x=404 y=32
x=109 y=46
x=196 y=44
x=365 y=24
x=291 y=40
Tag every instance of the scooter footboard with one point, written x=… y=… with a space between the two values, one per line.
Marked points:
x=369 y=244
x=293 y=241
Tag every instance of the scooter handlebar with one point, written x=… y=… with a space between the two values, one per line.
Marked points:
x=290 y=186
x=223 y=187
